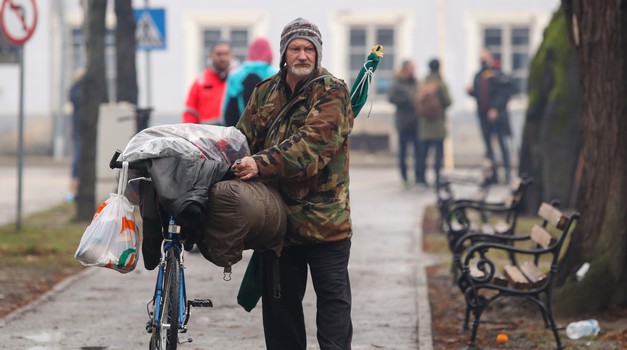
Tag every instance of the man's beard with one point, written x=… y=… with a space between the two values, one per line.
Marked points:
x=301 y=71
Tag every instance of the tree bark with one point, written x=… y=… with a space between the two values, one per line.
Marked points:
x=94 y=90
x=553 y=121
x=598 y=30
x=126 y=72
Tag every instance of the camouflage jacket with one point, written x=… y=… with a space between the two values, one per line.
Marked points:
x=301 y=142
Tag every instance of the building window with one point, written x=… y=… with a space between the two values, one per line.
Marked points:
x=361 y=40
x=510 y=45
x=238 y=37
x=78 y=57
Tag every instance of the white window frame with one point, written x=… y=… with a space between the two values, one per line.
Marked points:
x=194 y=24
x=476 y=22
x=225 y=34
x=506 y=49
x=403 y=23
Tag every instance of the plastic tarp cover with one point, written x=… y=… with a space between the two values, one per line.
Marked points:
x=187 y=141
x=183 y=141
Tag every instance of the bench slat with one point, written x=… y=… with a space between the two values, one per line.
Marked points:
x=533 y=274
x=516 y=277
x=487 y=229
x=475 y=272
x=509 y=200
x=540 y=236
x=552 y=215
x=500 y=280
x=501 y=226
x=515 y=184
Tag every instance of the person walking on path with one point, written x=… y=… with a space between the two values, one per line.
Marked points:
x=432 y=116
x=402 y=95
x=204 y=100
x=492 y=89
x=297 y=124
x=241 y=82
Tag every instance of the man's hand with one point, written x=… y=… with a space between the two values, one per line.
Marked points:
x=245 y=168
x=492 y=114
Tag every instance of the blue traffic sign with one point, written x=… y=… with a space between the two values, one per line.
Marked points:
x=150 y=32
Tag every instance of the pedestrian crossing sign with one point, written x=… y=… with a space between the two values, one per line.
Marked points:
x=150 y=29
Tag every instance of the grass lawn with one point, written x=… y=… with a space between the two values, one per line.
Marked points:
x=37 y=257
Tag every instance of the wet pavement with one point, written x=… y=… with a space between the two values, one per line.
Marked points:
x=103 y=309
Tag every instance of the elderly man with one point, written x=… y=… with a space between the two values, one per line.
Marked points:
x=297 y=124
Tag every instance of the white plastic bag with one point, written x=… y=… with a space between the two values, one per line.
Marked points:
x=111 y=240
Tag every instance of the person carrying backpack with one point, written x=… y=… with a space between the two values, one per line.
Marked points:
x=432 y=99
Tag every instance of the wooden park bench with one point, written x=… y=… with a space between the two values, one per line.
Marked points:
x=487 y=275
x=466 y=216
x=449 y=185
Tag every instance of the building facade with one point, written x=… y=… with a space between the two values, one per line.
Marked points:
x=452 y=30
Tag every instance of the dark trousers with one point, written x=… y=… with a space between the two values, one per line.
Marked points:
x=283 y=319
x=489 y=130
x=438 y=145
x=405 y=137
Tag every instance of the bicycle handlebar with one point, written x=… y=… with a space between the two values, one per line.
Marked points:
x=114 y=163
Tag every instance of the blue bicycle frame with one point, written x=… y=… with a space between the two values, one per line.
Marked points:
x=172 y=238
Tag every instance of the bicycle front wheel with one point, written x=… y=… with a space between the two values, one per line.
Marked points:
x=169 y=320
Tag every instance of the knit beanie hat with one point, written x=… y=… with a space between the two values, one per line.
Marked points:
x=301 y=28
x=260 y=50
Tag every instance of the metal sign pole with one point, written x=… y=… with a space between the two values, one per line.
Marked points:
x=18 y=22
x=148 y=92
x=20 y=142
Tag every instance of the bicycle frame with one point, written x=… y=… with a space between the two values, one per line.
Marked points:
x=172 y=239
x=159 y=287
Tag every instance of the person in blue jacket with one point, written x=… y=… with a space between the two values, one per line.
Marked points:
x=241 y=83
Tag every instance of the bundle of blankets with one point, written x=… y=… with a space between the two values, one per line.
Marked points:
x=188 y=165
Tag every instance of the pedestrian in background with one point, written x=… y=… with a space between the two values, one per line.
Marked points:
x=242 y=81
x=204 y=100
x=431 y=103
x=402 y=94
x=76 y=98
x=297 y=124
x=492 y=89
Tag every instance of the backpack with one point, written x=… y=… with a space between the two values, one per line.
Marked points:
x=428 y=103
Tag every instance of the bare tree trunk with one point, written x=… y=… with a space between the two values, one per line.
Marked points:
x=599 y=32
x=126 y=72
x=94 y=90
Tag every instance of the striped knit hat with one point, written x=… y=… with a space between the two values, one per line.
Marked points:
x=301 y=28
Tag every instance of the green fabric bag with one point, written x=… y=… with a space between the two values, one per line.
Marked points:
x=250 y=288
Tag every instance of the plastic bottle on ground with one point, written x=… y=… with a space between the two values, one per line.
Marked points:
x=585 y=328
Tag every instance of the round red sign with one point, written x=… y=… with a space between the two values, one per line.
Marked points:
x=18 y=19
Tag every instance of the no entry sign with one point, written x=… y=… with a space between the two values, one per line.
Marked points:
x=18 y=19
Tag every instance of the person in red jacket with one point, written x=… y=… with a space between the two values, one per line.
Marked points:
x=204 y=101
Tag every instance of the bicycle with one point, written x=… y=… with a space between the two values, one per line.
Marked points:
x=169 y=309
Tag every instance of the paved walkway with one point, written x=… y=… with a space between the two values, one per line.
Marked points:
x=102 y=309
x=44 y=184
